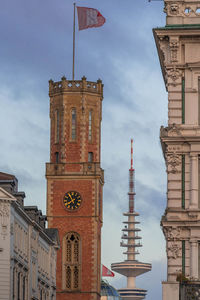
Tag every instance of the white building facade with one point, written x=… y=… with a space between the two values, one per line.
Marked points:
x=27 y=252
x=178 y=45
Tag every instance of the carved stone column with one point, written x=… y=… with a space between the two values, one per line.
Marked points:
x=194 y=181
x=194 y=259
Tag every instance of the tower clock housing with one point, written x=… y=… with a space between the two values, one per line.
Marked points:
x=74 y=185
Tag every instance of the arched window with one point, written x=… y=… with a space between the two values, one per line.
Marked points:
x=56 y=126
x=73 y=132
x=72 y=261
x=90 y=126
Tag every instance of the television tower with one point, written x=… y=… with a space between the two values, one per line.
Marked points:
x=131 y=268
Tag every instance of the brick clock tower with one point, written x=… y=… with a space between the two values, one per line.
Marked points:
x=74 y=185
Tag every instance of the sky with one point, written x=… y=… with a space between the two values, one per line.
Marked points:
x=36 y=45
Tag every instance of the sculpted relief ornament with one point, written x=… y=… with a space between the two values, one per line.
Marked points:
x=174 y=74
x=172 y=233
x=173 y=161
x=172 y=9
x=173 y=250
x=4 y=214
x=172 y=130
x=174 y=46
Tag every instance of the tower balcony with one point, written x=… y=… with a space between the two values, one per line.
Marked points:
x=128 y=229
x=131 y=268
x=134 y=293
x=130 y=245
x=131 y=214
x=126 y=237
x=75 y=169
x=134 y=252
x=131 y=222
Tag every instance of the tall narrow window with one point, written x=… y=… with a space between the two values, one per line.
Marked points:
x=57 y=157
x=90 y=126
x=18 y=287
x=72 y=261
x=24 y=288
x=183 y=257
x=57 y=126
x=90 y=157
x=13 y=283
x=73 y=124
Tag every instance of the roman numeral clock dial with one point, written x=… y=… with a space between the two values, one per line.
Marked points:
x=72 y=200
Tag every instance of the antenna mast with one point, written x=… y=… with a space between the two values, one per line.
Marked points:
x=131 y=192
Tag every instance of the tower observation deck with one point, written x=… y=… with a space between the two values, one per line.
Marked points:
x=131 y=241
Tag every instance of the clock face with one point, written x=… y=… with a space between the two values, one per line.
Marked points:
x=72 y=200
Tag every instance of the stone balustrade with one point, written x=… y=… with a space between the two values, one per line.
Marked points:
x=86 y=168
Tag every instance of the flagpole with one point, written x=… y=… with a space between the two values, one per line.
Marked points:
x=73 y=43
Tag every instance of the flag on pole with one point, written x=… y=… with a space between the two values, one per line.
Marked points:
x=89 y=17
x=107 y=272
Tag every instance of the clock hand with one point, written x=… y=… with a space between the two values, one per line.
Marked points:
x=70 y=196
x=71 y=201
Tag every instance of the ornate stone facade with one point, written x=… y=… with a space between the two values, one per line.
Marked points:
x=28 y=251
x=178 y=45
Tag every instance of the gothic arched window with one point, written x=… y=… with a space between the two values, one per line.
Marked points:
x=72 y=262
x=57 y=123
x=90 y=126
x=73 y=129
